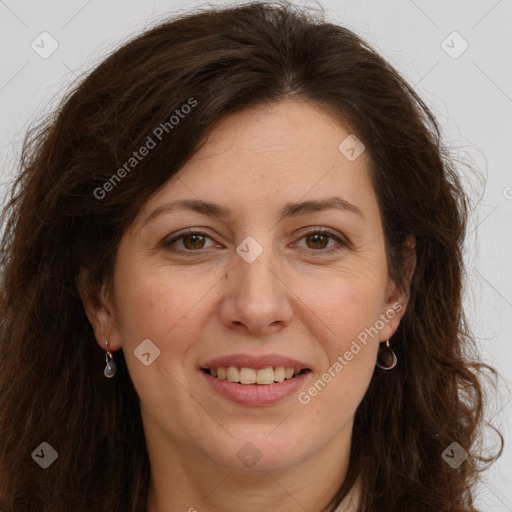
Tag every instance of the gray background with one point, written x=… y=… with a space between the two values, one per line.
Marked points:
x=470 y=92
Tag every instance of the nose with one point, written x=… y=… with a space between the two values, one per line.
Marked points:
x=257 y=298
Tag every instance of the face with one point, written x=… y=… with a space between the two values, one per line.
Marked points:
x=263 y=285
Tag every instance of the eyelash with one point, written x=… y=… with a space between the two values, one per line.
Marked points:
x=341 y=243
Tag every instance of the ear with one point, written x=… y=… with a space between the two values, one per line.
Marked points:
x=396 y=299
x=98 y=310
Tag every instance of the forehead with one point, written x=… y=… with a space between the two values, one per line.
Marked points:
x=287 y=143
x=271 y=155
x=287 y=127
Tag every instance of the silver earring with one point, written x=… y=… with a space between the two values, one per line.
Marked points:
x=110 y=368
x=386 y=360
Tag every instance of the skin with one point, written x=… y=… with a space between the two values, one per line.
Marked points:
x=293 y=300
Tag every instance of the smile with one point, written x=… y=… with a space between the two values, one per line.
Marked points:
x=244 y=375
x=250 y=392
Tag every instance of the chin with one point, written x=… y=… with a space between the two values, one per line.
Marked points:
x=259 y=449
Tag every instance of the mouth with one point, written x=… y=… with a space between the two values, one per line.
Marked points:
x=255 y=387
x=255 y=376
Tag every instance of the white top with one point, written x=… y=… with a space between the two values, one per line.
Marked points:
x=351 y=500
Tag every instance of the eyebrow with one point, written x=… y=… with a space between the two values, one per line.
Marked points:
x=289 y=210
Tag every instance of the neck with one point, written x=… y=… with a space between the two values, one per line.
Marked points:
x=200 y=485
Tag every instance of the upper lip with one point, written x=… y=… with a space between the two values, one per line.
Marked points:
x=257 y=362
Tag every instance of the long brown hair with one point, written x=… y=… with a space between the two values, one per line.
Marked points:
x=58 y=221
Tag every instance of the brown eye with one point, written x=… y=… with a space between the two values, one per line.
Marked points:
x=187 y=243
x=318 y=241
x=193 y=241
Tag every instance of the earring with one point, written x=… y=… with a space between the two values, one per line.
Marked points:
x=386 y=358
x=110 y=368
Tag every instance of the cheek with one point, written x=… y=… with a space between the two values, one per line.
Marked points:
x=341 y=384
x=332 y=398
x=345 y=321
x=345 y=304
x=148 y=303
x=163 y=304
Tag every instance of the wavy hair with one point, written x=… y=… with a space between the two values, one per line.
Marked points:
x=57 y=221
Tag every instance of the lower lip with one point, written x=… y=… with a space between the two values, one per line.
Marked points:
x=256 y=394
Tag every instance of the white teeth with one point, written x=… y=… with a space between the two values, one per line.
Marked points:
x=265 y=376
x=244 y=375
x=247 y=376
x=232 y=374
x=279 y=374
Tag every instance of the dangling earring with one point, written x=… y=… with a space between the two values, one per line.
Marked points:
x=110 y=368
x=386 y=358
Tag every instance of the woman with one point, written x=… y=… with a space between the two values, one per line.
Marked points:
x=232 y=281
